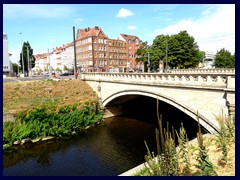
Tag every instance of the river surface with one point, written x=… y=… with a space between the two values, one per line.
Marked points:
x=113 y=147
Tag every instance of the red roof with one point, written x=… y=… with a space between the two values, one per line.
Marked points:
x=127 y=37
x=89 y=32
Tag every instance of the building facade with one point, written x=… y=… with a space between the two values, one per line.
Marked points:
x=95 y=52
x=133 y=44
x=7 y=63
x=117 y=55
x=209 y=60
x=91 y=49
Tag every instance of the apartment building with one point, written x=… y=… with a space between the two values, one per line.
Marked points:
x=91 y=49
x=41 y=62
x=95 y=52
x=7 y=63
x=209 y=60
x=133 y=44
x=117 y=59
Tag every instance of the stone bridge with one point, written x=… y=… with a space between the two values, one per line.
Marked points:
x=206 y=92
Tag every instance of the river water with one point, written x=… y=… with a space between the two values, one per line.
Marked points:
x=113 y=147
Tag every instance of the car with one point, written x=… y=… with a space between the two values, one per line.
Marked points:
x=64 y=74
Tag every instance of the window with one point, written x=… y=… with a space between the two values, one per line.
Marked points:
x=89 y=40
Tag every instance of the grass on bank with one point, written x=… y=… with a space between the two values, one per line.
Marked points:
x=48 y=108
x=26 y=95
x=210 y=156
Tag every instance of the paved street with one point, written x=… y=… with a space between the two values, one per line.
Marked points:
x=34 y=78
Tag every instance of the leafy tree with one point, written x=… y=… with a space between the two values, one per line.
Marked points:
x=65 y=68
x=224 y=59
x=25 y=57
x=177 y=51
x=160 y=49
x=142 y=54
x=15 y=67
x=58 y=70
x=183 y=51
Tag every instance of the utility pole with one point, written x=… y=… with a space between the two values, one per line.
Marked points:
x=22 y=55
x=74 y=43
x=48 y=65
x=148 y=62
x=166 y=54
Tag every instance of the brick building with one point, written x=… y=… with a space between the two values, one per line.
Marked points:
x=133 y=44
x=91 y=49
x=117 y=50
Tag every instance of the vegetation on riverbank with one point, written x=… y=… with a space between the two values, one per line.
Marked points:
x=211 y=156
x=26 y=95
x=64 y=109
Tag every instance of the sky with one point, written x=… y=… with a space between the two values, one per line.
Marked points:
x=47 y=26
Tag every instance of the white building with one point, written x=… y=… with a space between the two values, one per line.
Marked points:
x=7 y=63
x=41 y=63
x=209 y=60
x=69 y=53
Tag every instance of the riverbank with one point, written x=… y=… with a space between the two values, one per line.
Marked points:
x=214 y=152
x=39 y=109
x=25 y=95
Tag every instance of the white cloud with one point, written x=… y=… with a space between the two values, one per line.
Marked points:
x=78 y=20
x=123 y=13
x=132 y=28
x=35 y=10
x=213 y=31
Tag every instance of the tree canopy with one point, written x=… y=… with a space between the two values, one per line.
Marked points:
x=25 y=57
x=224 y=59
x=177 y=51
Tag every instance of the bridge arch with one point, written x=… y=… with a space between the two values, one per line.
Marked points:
x=205 y=122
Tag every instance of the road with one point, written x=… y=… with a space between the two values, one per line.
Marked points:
x=35 y=78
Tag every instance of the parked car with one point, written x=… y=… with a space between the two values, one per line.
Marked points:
x=71 y=73
x=64 y=74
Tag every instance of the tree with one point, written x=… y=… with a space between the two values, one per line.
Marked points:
x=142 y=54
x=178 y=51
x=224 y=59
x=183 y=51
x=65 y=68
x=25 y=57
x=15 y=67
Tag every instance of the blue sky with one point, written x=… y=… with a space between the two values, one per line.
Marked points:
x=46 y=26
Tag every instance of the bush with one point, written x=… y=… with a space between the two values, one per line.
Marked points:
x=39 y=122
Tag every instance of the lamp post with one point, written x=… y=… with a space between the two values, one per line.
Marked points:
x=166 y=55
x=28 y=61
x=22 y=55
x=148 y=65
x=18 y=69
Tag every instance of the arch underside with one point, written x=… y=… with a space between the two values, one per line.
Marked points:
x=206 y=123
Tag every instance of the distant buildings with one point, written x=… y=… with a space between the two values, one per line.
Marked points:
x=95 y=52
x=7 y=63
x=209 y=60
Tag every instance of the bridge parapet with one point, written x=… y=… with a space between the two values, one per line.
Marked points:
x=200 y=80
x=205 y=71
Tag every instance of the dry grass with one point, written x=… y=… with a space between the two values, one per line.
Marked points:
x=215 y=153
x=21 y=96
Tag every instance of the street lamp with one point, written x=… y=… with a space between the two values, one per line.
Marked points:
x=22 y=55
x=166 y=54
x=148 y=65
x=28 y=61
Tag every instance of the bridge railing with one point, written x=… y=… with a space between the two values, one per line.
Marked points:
x=204 y=71
x=216 y=79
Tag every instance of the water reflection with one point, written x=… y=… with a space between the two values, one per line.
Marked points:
x=113 y=147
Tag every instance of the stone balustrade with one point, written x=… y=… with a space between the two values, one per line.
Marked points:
x=217 y=78
x=205 y=71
